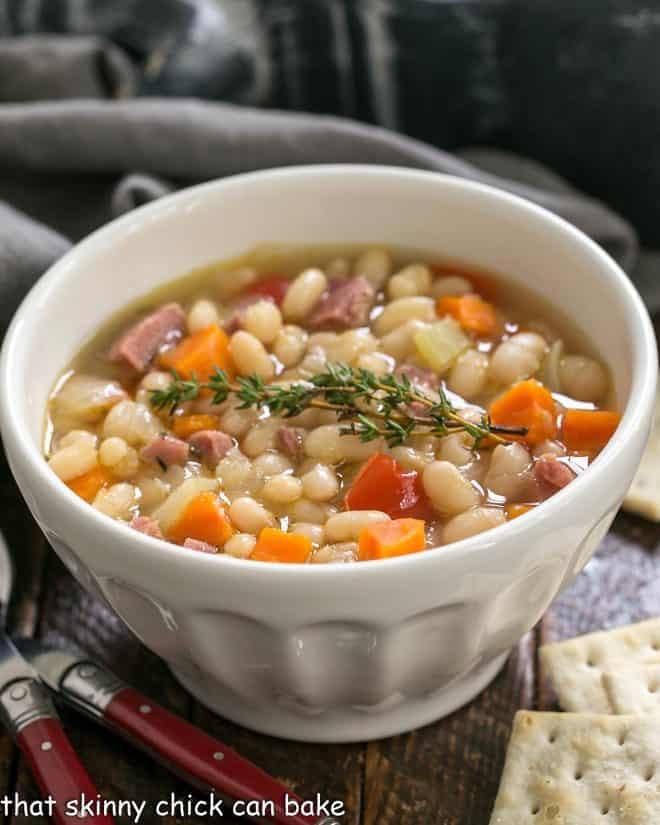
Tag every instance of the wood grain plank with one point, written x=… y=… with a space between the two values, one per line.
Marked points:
x=333 y=771
x=448 y=773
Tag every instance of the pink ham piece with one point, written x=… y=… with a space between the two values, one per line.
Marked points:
x=290 y=441
x=346 y=304
x=148 y=526
x=138 y=346
x=551 y=474
x=166 y=449
x=212 y=445
x=200 y=546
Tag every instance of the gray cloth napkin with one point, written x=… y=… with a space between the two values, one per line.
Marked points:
x=74 y=164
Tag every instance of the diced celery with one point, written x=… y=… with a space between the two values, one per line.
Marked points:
x=440 y=343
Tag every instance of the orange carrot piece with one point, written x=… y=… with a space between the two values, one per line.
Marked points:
x=200 y=354
x=386 y=539
x=588 y=430
x=526 y=404
x=186 y=425
x=516 y=510
x=88 y=484
x=203 y=519
x=278 y=546
x=472 y=313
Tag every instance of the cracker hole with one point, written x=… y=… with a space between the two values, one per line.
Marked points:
x=536 y=809
x=591 y=662
x=605 y=810
x=578 y=775
x=655 y=645
x=650 y=773
x=653 y=687
x=622 y=737
x=552 y=738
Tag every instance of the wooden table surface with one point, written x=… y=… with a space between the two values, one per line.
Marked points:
x=443 y=774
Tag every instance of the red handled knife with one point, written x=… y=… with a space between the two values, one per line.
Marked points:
x=28 y=714
x=185 y=749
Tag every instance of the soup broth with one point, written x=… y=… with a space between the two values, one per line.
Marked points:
x=329 y=404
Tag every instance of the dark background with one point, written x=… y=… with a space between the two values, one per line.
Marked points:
x=575 y=85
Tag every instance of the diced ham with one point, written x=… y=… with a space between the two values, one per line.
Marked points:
x=212 y=445
x=138 y=346
x=290 y=441
x=201 y=546
x=237 y=320
x=148 y=526
x=166 y=449
x=346 y=304
x=552 y=474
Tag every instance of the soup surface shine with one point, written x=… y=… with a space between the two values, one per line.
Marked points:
x=316 y=405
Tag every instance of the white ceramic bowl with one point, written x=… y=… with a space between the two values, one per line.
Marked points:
x=329 y=653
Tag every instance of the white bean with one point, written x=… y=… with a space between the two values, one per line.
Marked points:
x=583 y=378
x=73 y=461
x=112 y=450
x=272 y=463
x=261 y=437
x=326 y=444
x=375 y=265
x=400 y=343
x=307 y=511
x=342 y=553
x=320 y=483
x=237 y=422
x=449 y=491
x=127 y=466
x=203 y=314
x=472 y=522
x=249 y=515
x=233 y=282
x=303 y=294
x=240 y=545
x=349 y=345
x=414 y=279
x=377 y=362
x=250 y=356
x=517 y=358
x=451 y=285
x=397 y=313
x=133 y=422
x=263 y=320
x=74 y=436
x=313 y=362
x=411 y=459
x=347 y=526
x=456 y=448
x=549 y=448
x=469 y=374
x=508 y=473
x=314 y=532
x=237 y=473
x=289 y=346
x=283 y=488
x=153 y=492
x=117 y=501
x=325 y=340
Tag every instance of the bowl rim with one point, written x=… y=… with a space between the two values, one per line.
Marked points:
x=637 y=407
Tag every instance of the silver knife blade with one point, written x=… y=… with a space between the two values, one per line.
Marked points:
x=50 y=663
x=12 y=665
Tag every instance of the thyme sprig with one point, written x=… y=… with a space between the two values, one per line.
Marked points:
x=372 y=406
